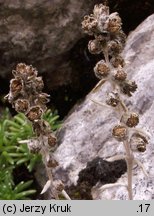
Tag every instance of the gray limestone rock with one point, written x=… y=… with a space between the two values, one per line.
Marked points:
x=86 y=132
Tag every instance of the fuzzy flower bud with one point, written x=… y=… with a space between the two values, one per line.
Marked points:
x=52 y=140
x=16 y=86
x=119 y=132
x=41 y=100
x=117 y=61
x=94 y=47
x=34 y=113
x=101 y=12
x=52 y=163
x=130 y=119
x=101 y=69
x=114 y=47
x=21 y=105
x=138 y=142
x=23 y=69
x=128 y=87
x=114 y=23
x=113 y=99
x=100 y=9
x=39 y=85
x=89 y=24
x=120 y=75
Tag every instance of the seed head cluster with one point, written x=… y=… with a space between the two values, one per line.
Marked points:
x=26 y=96
x=109 y=40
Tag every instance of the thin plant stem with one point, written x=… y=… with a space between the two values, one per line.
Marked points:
x=124 y=107
x=65 y=195
x=129 y=160
x=129 y=155
x=98 y=85
x=99 y=103
x=106 y=56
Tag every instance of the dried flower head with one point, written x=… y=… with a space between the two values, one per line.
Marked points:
x=128 y=87
x=21 y=105
x=24 y=70
x=120 y=75
x=34 y=113
x=16 y=85
x=117 y=61
x=100 y=10
x=52 y=163
x=89 y=24
x=119 y=132
x=101 y=69
x=113 y=99
x=41 y=127
x=52 y=140
x=94 y=47
x=114 y=47
x=114 y=23
x=138 y=142
x=131 y=119
x=41 y=100
x=39 y=85
x=101 y=13
x=21 y=68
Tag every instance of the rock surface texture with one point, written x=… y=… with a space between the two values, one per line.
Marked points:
x=40 y=32
x=86 y=132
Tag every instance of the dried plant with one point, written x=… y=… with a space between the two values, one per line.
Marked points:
x=109 y=39
x=26 y=96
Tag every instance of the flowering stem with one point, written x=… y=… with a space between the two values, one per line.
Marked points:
x=106 y=56
x=123 y=106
